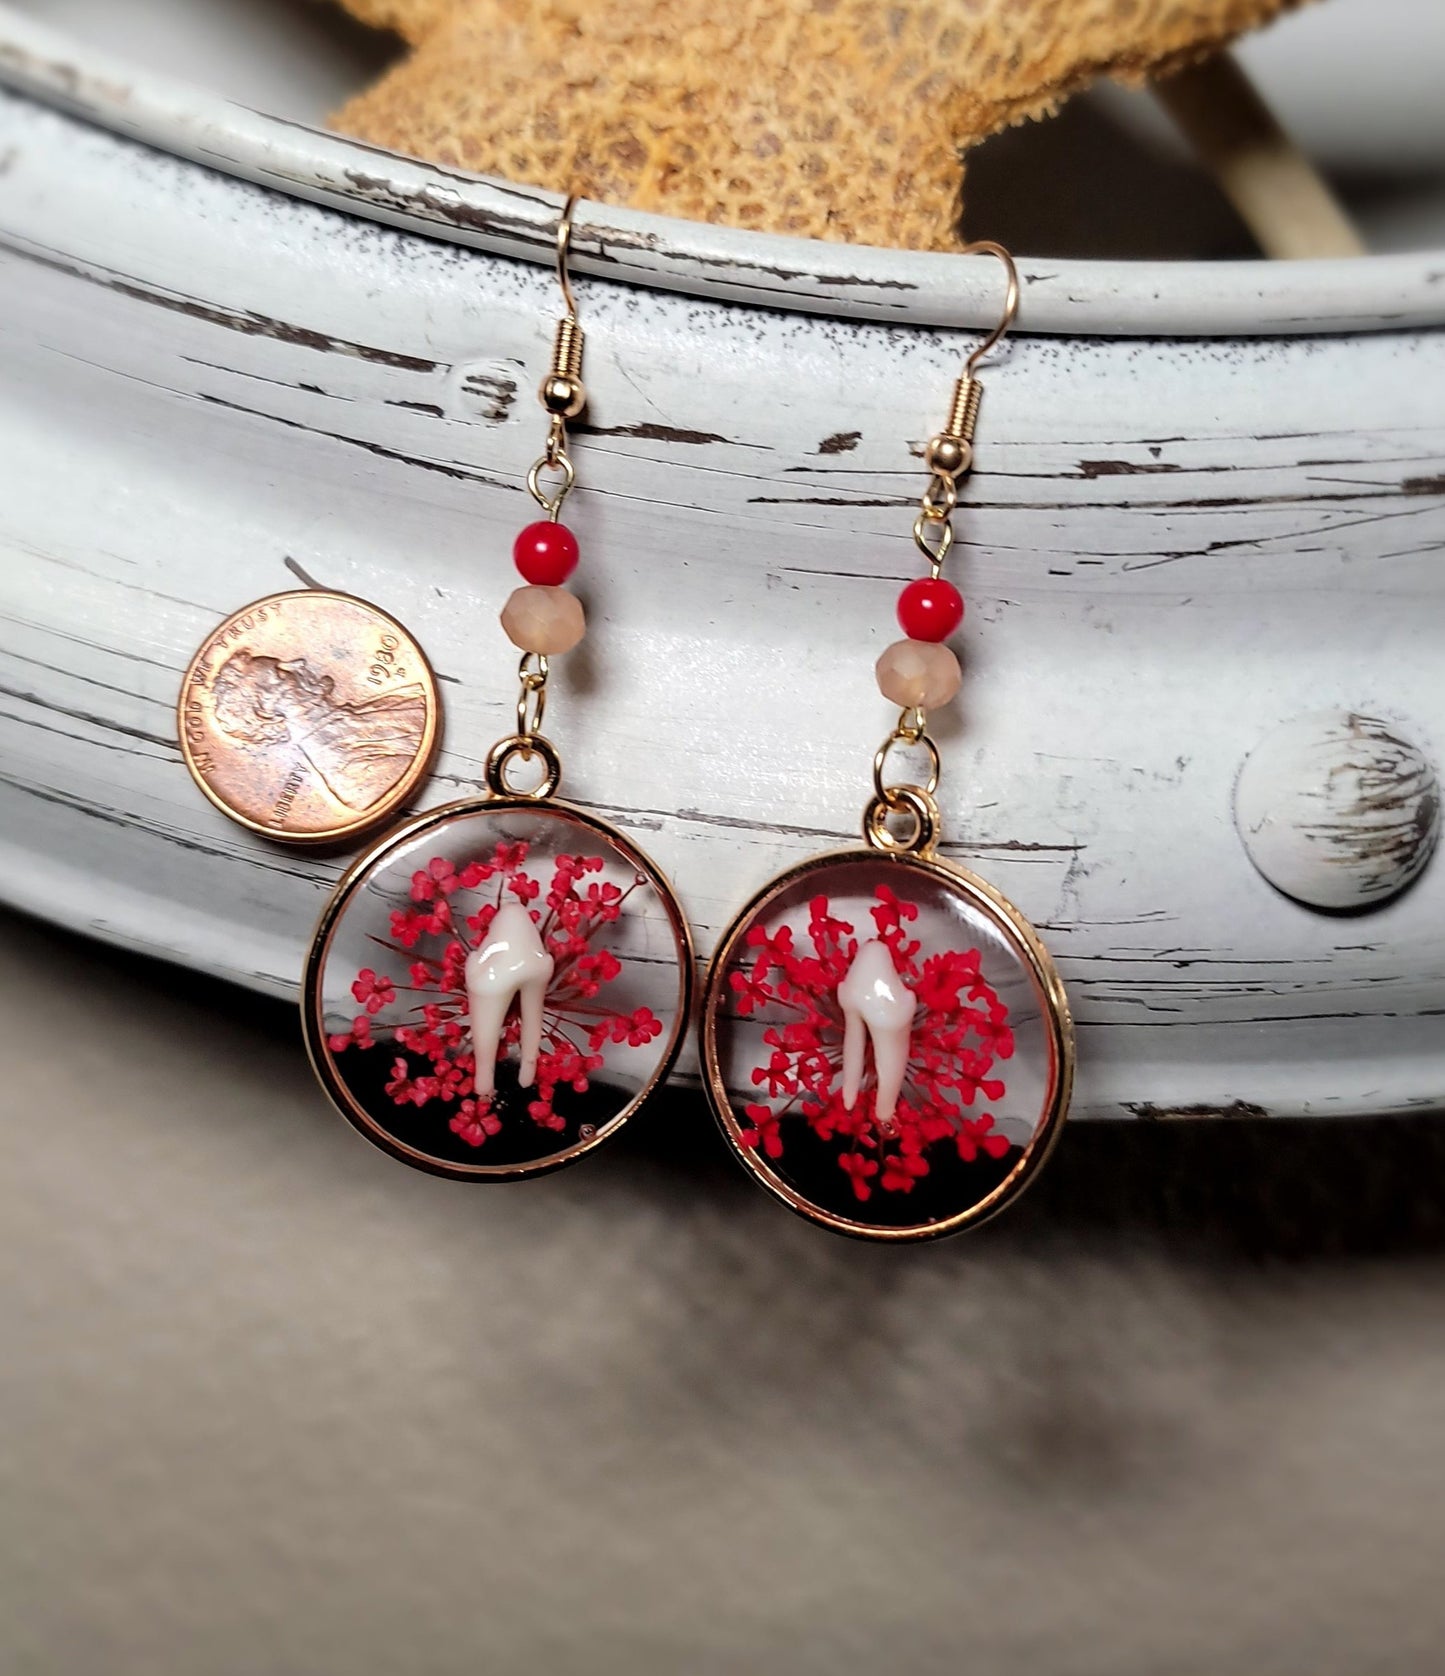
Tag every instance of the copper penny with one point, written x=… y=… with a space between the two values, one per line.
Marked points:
x=308 y=716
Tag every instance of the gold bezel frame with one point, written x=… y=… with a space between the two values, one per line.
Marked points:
x=312 y=1001
x=399 y=793
x=1054 y=1009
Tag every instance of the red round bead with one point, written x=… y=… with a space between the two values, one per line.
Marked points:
x=545 y=553
x=930 y=609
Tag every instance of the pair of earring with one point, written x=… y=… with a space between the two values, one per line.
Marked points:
x=499 y=984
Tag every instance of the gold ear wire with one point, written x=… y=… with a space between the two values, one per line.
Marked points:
x=562 y=391
x=987 y=247
x=564 y=245
x=950 y=454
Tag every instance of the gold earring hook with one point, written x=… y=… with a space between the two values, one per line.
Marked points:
x=987 y=247
x=949 y=454
x=562 y=392
x=564 y=245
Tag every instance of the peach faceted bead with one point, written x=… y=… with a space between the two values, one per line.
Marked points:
x=545 y=620
x=918 y=674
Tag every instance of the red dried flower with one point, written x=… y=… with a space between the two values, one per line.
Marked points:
x=960 y=1033
x=751 y=990
x=435 y=1032
x=766 y=1131
x=859 y=1168
x=474 y=1124
x=978 y=1134
x=373 y=992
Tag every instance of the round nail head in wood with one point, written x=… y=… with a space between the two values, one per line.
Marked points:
x=1337 y=810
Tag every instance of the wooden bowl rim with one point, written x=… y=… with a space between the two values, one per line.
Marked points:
x=910 y=288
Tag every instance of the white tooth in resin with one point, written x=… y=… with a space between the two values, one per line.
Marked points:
x=875 y=1002
x=509 y=964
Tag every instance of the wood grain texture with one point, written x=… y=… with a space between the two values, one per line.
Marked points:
x=850 y=281
x=210 y=388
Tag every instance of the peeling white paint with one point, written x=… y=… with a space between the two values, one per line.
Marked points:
x=1169 y=547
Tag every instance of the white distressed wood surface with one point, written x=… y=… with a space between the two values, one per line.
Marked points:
x=1169 y=547
x=849 y=281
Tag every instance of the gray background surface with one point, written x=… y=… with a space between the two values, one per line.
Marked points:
x=276 y=1404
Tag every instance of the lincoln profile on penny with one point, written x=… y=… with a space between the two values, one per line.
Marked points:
x=358 y=751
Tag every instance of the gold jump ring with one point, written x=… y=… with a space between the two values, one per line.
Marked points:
x=506 y=751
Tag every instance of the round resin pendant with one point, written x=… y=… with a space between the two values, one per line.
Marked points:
x=496 y=987
x=887 y=1044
